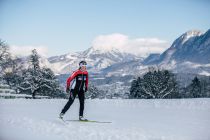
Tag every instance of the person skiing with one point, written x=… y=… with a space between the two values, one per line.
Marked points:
x=77 y=84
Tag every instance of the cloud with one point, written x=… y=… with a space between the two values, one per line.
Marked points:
x=138 y=46
x=26 y=50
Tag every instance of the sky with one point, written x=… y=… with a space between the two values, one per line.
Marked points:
x=56 y=27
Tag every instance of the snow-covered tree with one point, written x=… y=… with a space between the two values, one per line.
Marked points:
x=93 y=92
x=34 y=60
x=134 y=92
x=155 y=84
x=10 y=68
x=39 y=81
x=5 y=58
x=208 y=87
x=51 y=87
x=195 y=88
x=32 y=82
x=13 y=74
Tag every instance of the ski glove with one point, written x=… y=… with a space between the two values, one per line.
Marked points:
x=67 y=90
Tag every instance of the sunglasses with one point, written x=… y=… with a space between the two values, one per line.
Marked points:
x=83 y=65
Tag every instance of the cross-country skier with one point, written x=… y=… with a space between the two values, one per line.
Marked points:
x=77 y=84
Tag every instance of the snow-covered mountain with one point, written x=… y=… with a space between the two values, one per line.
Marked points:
x=96 y=59
x=151 y=58
x=193 y=46
x=189 y=53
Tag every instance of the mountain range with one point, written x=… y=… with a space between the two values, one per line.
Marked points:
x=96 y=59
x=189 y=53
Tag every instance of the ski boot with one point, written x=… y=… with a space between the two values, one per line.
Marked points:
x=81 y=118
x=61 y=115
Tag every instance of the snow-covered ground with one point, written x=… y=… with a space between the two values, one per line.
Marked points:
x=184 y=119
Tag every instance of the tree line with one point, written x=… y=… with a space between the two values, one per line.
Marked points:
x=163 y=84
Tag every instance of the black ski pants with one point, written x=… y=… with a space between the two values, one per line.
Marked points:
x=72 y=96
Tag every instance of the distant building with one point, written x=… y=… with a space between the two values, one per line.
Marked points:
x=6 y=89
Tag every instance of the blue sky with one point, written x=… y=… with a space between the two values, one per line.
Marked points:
x=68 y=26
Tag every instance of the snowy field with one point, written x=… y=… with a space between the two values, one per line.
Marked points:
x=184 y=119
